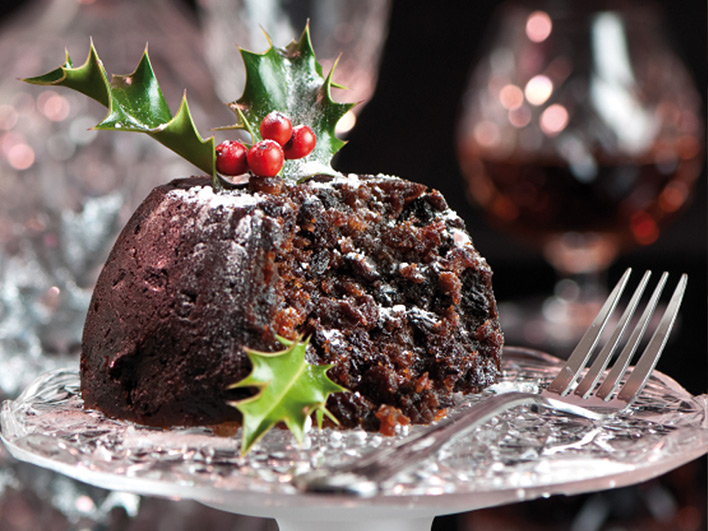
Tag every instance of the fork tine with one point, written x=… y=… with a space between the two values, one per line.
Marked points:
x=641 y=372
x=613 y=378
x=579 y=357
x=586 y=385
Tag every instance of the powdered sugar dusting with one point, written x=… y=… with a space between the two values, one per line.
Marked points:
x=334 y=336
x=244 y=229
x=461 y=237
x=351 y=179
x=206 y=195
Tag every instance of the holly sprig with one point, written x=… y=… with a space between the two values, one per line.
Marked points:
x=291 y=81
x=135 y=104
x=290 y=390
x=288 y=80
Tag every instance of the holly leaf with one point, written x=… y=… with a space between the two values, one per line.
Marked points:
x=289 y=390
x=135 y=103
x=290 y=80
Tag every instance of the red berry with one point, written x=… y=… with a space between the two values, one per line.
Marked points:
x=276 y=126
x=301 y=143
x=231 y=158
x=265 y=158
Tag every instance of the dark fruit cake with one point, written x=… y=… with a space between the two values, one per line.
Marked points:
x=377 y=270
x=371 y=282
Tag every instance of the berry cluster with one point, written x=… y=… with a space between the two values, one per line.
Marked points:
x=265 y=158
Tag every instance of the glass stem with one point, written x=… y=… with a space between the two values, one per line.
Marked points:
x=582 y=287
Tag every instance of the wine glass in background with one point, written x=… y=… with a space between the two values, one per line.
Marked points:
x=353 y=31
x=581 y=137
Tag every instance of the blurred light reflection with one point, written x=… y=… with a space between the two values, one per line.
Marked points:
x=538 y=89
x=538 y=26
x=511 y=97
x=53 y=106
x=486 y=134
x=611 y=83
x=8 y=117
x=554 y=119
x=20 y=156
x=520 y=117
x=15 y=150
x=673 y=196
x=346 y=123
x=644 y=228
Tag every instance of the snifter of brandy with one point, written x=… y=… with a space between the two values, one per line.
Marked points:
x=581 y=136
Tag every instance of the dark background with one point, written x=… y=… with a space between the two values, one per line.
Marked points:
x=408 y=129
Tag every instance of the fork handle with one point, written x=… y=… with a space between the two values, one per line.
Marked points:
x=364 y=476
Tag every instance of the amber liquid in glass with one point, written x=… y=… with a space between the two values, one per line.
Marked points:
x=626 y=202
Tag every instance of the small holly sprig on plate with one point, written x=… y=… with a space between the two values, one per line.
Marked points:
x=283 y=86
x=290 y=390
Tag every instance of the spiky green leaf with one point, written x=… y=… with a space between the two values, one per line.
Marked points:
x=290 y=80
x=135 y=103
x=89 y=79
x=289 y=390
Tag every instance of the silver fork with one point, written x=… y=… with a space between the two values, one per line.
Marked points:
x=366 y=476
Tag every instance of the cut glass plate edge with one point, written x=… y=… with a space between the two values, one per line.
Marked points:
x=272 y=504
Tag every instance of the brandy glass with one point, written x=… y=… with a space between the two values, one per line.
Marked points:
x=581 y=137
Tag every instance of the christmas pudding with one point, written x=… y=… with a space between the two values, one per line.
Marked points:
x=296 y=292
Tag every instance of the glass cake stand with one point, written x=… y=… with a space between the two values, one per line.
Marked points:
x=523 y=454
